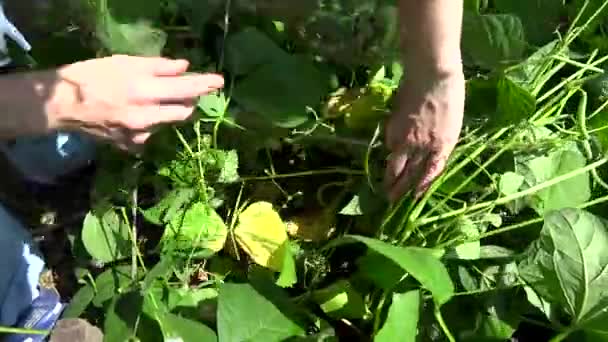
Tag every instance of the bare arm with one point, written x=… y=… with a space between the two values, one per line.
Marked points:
x=430 y=34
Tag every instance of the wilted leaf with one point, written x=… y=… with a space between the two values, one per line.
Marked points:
x=262 y=234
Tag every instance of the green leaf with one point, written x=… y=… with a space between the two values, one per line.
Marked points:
x=420 y=263
x=79 y=302
x=176 y=328
x=172 y=205
x=245 y=315
x=515 y=103
x=540 y=18
x=526 y=72
x=567 y=266
x=163 y=269
x=105 y=235
x=199 y=230
x=228 y=164
x=402 y=320
x=282 y=91
x=128 y=27
x=288 y=276
x=555 y=163
x=213 y=104
x=341 y=300
x=129 y=318
x=250 y=49
x=110 y=283
x=510 y=183
x=385 y=273
x=352 y=208
x=492 y=40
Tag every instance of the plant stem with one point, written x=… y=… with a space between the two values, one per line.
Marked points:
x=9 y=330
x=514 y=196
x=306 y=173
x=561 y=336
x=442 y=324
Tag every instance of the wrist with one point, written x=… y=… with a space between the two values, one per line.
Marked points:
x=434 y=65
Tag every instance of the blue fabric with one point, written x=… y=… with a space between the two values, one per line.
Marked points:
x=40 y=160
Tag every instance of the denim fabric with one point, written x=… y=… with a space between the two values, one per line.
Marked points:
x=40 y=160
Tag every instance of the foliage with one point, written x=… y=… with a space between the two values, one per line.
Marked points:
x=263 y=219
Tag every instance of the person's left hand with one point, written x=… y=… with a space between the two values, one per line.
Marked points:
x=423 y=131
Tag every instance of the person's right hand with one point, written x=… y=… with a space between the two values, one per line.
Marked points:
x=123 y=98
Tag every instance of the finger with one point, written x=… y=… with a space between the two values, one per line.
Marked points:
x=394 y=167
x=160 y=66
x=410 y=175
x=141 y=138
x=434 y=167
x=146 y=117
x=178 y=88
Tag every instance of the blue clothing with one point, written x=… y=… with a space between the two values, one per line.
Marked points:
x=40 y=160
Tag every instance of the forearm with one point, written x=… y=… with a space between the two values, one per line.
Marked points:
x=30 y=103
x=430 y=34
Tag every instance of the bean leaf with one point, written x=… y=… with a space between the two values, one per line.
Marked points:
x=567 y=266
x=245 y=315
x=420 y=263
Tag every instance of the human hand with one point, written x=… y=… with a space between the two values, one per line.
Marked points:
x=423 y=131
x=123 y=98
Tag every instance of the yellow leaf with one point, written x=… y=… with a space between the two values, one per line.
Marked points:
x=261 y=232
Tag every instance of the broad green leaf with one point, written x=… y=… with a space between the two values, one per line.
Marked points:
x=282 y=91
x=341 y=300
x=249 y=49
x=557 y=162
x=260 y=231
x=385 y=273
x=110 y=283
x=510 y=183
x=213 y=104
x=199 y=230
x=245 y=315
x=540 y=18
x=105 y=235
x=172 y=205
x=129 y=318
x=176 y=328
x=567 y=266
x=420 y=263
x=128 y=27
x=526 y=72
x=492 y=40
x=79 y=302
x=515 y=103
x=288 y=276
x=402 y=319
